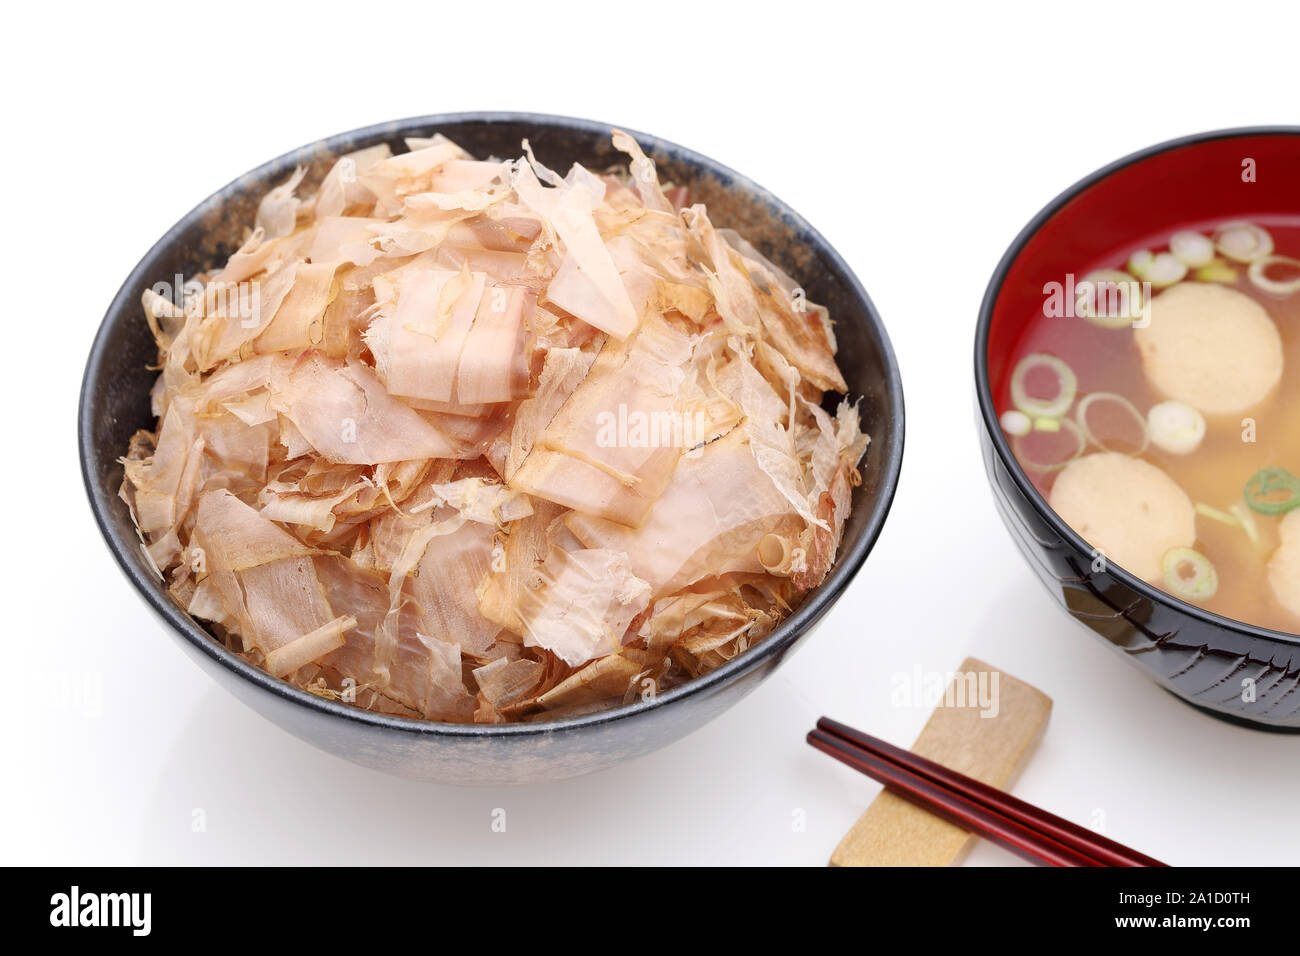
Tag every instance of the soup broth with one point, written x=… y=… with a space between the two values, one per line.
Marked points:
x=1239 y=541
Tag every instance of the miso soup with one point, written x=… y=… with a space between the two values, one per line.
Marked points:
x=1157 y=414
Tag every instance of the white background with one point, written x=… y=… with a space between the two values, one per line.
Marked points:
x=918 y=139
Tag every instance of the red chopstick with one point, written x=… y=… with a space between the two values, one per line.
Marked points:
x=1022 y=828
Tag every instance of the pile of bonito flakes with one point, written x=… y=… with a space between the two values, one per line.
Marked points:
x=464 y=440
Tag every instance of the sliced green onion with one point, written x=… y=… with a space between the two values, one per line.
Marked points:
x=1092 y=291
x=1217 y=271
x=1055 y=407
x=1232 y=521
x=1192 y=248
x=1248 y=523
x=1166 y=270
x=1018 y=445
x=1176 y=427
x=1047 y=424
x=1016 y=422
x=1268 y=482
x=1258 y=273
x=1081 y=415
x=1200 y=584
x=1140 y=262
x=1243 y=241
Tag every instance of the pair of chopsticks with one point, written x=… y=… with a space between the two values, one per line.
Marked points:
x=1025 y=830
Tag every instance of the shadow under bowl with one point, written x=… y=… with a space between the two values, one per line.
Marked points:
x=115 y=404
x=1231 y=670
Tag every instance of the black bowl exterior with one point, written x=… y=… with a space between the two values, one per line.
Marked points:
x=115 y=403
x=1231 y=670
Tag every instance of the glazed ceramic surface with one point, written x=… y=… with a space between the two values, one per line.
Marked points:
x=115 y=403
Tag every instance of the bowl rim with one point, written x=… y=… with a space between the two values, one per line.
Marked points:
x=772 y=646
x=988 y=413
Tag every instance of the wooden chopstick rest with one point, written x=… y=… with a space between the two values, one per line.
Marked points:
x=992 y=749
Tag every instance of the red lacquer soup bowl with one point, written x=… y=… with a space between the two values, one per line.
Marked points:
x=1229 y=669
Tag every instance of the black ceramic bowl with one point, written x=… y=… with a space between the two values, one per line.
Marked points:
x=1232 y=670
x=115 y=403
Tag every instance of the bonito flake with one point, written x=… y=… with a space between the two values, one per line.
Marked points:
x=464 y=439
